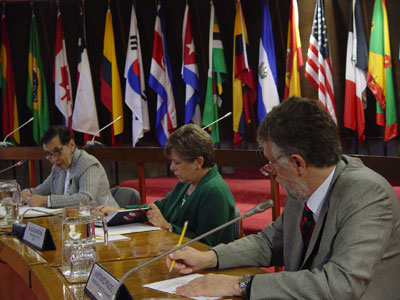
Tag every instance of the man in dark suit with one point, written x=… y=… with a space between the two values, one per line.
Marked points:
x=338 y=236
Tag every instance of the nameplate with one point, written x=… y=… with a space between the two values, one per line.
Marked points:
x=101 y=285
x=38 y=237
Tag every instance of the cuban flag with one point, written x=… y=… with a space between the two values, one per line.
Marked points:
x=190 y=73
x=135 y=97
x=267 y=95
x=160 y=80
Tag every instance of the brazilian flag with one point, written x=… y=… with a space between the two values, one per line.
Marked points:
x=36 y=97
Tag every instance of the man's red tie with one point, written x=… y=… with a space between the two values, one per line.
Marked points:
x=307 y=224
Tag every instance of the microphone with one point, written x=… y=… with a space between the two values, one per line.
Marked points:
x=4 y=143
x=216 y=121
x=21 y=162
x=18 y=228
x=260 y=207
x=37 y=210
x=93 y=143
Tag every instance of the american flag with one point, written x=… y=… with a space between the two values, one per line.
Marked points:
x=318 y=67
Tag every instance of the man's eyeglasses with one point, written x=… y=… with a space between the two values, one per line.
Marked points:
x=56 y=153
x=266 y=166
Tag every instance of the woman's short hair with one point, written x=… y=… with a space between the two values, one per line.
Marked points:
x=61 y=131
x=191 y=142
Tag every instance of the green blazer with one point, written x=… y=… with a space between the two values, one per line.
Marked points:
x=210 y=205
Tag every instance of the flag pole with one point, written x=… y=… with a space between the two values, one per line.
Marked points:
x=362 y=4
x=121 y=28
x=282 y=39
x=203 y=55
x=384 y=147
x=356 y=144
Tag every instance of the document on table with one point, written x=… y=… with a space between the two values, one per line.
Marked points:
x=127 y=228
x=43 y=211
x=112 y=238
x=169 y=286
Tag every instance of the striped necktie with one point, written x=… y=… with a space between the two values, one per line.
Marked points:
x=307 y=224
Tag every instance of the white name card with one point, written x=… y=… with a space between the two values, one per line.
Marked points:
x=38 y=237
x=101 y=285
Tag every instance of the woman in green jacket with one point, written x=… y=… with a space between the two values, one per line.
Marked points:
x=201 y=196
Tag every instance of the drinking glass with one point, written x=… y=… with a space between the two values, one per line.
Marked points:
x=78 y=243
x=10 y=201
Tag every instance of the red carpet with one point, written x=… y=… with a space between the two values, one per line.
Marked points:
x=247 y=193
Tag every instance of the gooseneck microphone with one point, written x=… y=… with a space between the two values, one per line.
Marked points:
x=18 y=228
x=38 y=210
x=260 y=207
x=93 y=143
x=216 y=121
x=21 y=162
x=4 y=143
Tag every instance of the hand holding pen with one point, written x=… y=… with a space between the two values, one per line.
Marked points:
x=179 y=243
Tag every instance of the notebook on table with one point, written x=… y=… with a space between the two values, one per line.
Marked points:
x=126 y=216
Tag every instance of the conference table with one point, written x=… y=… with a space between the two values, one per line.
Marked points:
x=26 y=273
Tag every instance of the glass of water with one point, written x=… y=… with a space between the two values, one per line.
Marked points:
x=10 y=201
x=78 y=243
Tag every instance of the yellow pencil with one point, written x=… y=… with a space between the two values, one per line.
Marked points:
x=179 y=242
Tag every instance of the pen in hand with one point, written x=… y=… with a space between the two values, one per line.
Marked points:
x=179 y=243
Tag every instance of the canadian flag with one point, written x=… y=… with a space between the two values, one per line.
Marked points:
x=61 y=76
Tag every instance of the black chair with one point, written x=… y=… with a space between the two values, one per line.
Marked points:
x=125 y=196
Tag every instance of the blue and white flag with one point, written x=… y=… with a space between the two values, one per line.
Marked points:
x=190 y=73
x=160 y=80
x=135 y=96
x=267 y=94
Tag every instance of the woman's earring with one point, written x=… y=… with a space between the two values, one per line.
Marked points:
x=196 y=168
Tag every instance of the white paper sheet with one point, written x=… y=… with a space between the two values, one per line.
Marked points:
x=112 y=238
x=169 y=286
x=44 y=211
x=127 y=228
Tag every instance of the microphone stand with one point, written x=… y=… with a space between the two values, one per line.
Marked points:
x=4 y=143
x=21 y=162
x=93 y=143
x=216 y=121
x=257 y=209
x=18 y=228
x=37 y=210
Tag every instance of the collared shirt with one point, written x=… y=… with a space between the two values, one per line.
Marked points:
x=67 y=183
x=317 y=198
x=66 y=187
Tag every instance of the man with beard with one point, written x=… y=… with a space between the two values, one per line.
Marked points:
x=338 y=236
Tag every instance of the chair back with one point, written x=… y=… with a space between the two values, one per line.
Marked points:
x=125 y=196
